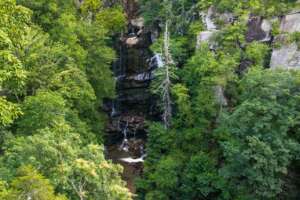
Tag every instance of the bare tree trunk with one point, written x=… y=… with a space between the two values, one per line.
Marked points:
x=167 y=104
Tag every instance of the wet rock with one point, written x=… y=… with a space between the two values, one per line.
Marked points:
x=134 y=96
x=266 y=26
x=259 y=29
x=243 y=67
x=136 y=147
x=134 y=123
x=207 y=19
x=286 y=57
x=156 y=62
x=141 y=80
x=146 y=76
x=132 y=41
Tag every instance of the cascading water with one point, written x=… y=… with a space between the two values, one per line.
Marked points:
x=127 y=131
x=124 y=146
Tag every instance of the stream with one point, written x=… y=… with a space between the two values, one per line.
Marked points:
x=126 y=132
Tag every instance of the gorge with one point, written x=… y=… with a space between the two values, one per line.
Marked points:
x=134 y=103
x=149 y=100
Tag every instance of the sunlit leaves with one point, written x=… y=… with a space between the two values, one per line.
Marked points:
x=8 y=112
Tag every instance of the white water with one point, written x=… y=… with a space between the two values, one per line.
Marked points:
x=124 y=146
x=133 y=160
x=207 y=20
x=113 y=110
x=158 y=60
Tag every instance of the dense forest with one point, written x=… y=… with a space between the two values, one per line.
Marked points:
x=149 y=100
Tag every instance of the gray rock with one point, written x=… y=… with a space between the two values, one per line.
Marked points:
x=226 y=18
x=220 y=96
x=266 y=26
x=205 y=37
x=286 y=57
x=138 y=22
x=132 y=41
x=207 y=19
x=259 y=29
x=290 y=23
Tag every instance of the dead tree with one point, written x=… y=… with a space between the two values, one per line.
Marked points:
x=166 y=84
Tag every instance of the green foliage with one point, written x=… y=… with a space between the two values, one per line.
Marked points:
x=55 y=59
x=13 y=27
x=54 y=73
x=112 y=19
x=257 y=52
x=294 y=37
x=29 y=184
x=8 y=112
x=72 y=167
x=201 y=179
x=257 y=133
x=184 y=109
x=258 y=7
x=180 y=13
x=41 y=111
x=73 y=85
x=243 y=148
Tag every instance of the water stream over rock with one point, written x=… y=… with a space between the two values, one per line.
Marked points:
x=133 y=70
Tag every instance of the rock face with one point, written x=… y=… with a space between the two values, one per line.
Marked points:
x=133 y=71
x=290 y=23
x=208 y=21
x=288 y=55
x=204 y=36
x=220 y=96
x=259 y=29
x=127 y=130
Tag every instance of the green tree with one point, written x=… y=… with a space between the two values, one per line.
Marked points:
x=8 y=112
x=41 y=111
x=74 y=168
x=29 y=184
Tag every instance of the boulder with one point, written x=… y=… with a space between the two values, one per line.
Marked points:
x=286 y=57
x=207 y=19
x=220 y=96
x=132 y=41
x=290 y=23
x=259 y=29
x=204 y=37
x=138 y=22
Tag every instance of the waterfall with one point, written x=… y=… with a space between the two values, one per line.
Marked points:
x=156 y=61
x=114 y=109
x=133 y=105
x=124 y=146
x=207 y=19
x=134 y=160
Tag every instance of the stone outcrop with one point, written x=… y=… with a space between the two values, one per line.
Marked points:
x=133 y=71
x=259 y=29
x=211 y=27
x=206 y=37
x=287 y=56
x=290 y=23
x=220 y=96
